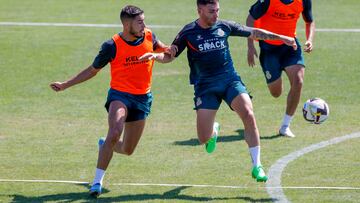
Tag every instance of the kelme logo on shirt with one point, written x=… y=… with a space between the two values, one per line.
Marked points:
x=283 y=16
x=133 y=60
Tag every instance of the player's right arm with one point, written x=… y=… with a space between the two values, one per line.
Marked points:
x=106 y=54
x=84 y=75
x=251 y=47
x=256 y=11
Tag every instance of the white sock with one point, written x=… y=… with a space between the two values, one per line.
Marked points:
x=215 y=127
x=255 y=155
x=286 y=121
x=99 y=176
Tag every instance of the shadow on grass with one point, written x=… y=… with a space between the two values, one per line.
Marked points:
x=225 y=138
x=169 y=195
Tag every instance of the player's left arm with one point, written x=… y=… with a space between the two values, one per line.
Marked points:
x=161 y=52
x=261 y=34
x=163 y=57
x=258 y=34
x=170 y=53
x=309 y=25
x=160 y=47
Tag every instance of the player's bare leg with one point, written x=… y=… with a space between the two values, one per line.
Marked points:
x=243 y=107
x=116 y=120
x=207 y=128
x=132 y=134
x=295 y=74
x=276 y=88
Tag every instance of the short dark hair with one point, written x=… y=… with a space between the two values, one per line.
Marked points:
x=130 y=12
x=205 y=2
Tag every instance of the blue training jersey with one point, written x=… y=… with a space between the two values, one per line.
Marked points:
x=208 y=50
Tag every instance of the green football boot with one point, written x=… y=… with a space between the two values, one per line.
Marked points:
x=258 y=173
x=210 y=146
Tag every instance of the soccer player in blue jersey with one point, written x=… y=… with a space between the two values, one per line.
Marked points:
x=281 y=16
x=213 y=75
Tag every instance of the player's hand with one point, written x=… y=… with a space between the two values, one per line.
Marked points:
x=290 y=41
x=250 y=55
x=167 y=50
x=308 y=46
x=148 y=56
x=58 y=86
x=173 y=50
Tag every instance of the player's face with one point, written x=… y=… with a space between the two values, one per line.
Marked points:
x=137 y=26
x=209 y=13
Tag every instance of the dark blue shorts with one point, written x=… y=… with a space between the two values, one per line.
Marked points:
x=210 y=96
x=138 y=106
x=275 y=58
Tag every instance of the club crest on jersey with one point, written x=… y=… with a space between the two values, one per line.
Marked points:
x=219 y=32
x=198 y=101
x=268 y=75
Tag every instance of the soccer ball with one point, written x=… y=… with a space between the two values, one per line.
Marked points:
x=316 y=110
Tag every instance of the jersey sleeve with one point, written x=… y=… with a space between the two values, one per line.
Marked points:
x=307 y=12
x=238 y=30
x=259 y=8
x=106 y=54
x=180 y=42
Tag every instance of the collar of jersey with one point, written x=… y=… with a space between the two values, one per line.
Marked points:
x=132 y=43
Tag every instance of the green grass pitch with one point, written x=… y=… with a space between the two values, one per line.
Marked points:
x=53 y=136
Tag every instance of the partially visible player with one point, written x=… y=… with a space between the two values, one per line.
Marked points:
x=214 y=78
x=129 y=98
x=281 y=16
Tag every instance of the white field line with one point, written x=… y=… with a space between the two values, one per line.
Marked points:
x=176 y=185
x=273 y=185
x=45 y=181
x=76 y=25
x=336 y=30
x=46 y=24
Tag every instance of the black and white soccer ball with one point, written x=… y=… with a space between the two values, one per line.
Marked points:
x=316 y=110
